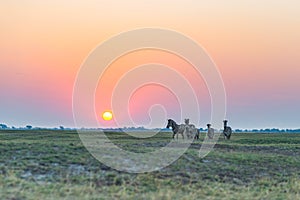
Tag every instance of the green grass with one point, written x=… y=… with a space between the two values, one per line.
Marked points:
x=45 y=164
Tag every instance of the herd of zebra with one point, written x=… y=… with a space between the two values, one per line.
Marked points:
x=192 y=132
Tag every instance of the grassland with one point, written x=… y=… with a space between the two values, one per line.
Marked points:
x=47 y=164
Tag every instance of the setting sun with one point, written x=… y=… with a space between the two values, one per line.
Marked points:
x=107 y=115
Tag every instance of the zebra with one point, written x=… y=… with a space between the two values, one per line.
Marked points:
x=227 y=130
x=210 y=131
x=193 y=132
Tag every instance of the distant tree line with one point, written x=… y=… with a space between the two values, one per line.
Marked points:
x=267 y=130
x=29 y=127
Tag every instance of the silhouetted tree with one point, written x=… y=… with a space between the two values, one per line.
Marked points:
x=61 y=128
x=3 y=126
x=29 y=127
x=274 y=130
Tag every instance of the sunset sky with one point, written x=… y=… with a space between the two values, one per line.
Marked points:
x=255 y=44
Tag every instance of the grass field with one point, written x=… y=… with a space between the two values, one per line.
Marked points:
x=48 y=164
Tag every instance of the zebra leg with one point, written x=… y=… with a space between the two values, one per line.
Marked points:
x=173 y=135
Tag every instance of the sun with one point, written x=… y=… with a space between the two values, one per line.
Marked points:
x=107 y=115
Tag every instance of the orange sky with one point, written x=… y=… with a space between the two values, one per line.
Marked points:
x=255 y=44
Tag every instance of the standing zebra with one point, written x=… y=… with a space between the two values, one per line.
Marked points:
x=227 y=130
x=192 y=131
x=177 y=129
x=210 y=131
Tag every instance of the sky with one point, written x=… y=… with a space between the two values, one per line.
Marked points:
x=255 y=45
